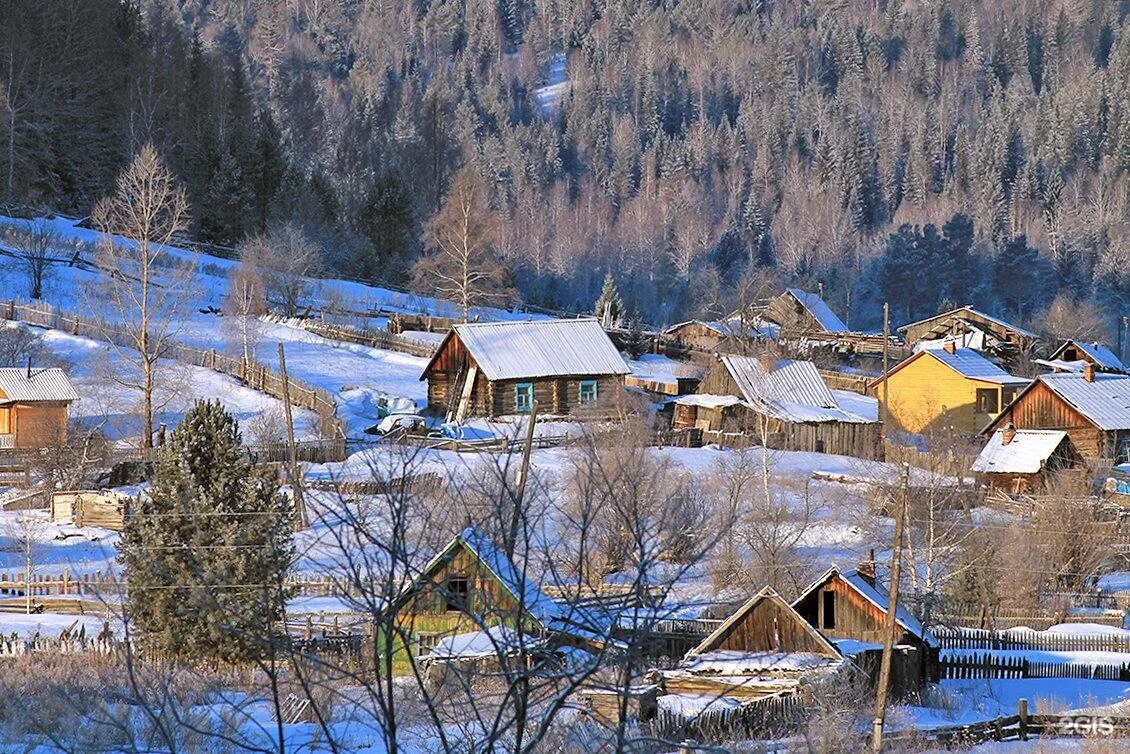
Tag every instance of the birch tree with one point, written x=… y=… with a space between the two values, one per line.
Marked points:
x=145 y=284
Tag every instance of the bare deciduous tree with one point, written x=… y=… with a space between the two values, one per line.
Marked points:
x=146 y=284
x=285 y=259
x=34 y=249
x=246 y=300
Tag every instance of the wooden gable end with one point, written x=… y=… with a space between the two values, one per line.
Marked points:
x=846 y=614
x=719 y=381
x=460 y=583
x=1040 y=407
x=791 y=315
x=768 y=625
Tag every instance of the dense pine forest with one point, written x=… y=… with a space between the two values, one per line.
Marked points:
x=705 y=152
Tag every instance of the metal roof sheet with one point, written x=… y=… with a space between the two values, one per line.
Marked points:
x=957 y=312
x=542 y=348
x=971 y=364
x=1096 y=352
x=820 y=310
x=43 y=385
x=792 y=391
x=1026 y=454
x=1105 y=401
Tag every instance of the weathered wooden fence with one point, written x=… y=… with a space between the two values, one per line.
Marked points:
x=771 y=717
x=100 y=583
x=382 y=339
x=252 y=374
x=988 y=665
x=970 y=638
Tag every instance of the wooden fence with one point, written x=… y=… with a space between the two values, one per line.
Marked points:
x=966 y=638
x=102 y=583
x=382 y=339
x=254 y=375
x=770 y=717
x=992 y=666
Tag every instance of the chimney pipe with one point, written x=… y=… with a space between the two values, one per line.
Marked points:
x=866 y=569
x=949 y=346
x=1008 y=434
x=766 y=362
x=29 y=367
x=1089 y=372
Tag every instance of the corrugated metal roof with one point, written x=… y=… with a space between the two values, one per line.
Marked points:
x=1106 y=401
x=878 y=595
x=820 y=310
x=1101 y=355
x=1026 y=454
x=957 y=312
x=792 y=391
x=44 y=385
x=969 y=363
x=543 y=348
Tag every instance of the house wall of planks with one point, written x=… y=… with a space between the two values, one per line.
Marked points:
x=770 y=626
x=34 y=425
x=1041 y=408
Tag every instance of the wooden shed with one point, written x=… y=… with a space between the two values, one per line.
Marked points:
x=1074 y=355
x=797 y=312
x=501 y=368
x=1017 y=461
x=947 y=388
x=971 y=328
x=786 y=402
x=849 y=608
x=1092 y=407
x=734 y=335
x=103 y=508
x=33 y=407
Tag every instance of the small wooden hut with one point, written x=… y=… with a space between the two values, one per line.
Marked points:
x=33 y=407
x=103 y=508
x=797 y=313
x=1017 y=461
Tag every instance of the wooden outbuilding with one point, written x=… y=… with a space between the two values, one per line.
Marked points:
x=500 y=368
x=971 y=328
x=33 y=407
x=849 y=608
x=947 y=388
x=1092 y=407
x=783 y=402
x=1074 y=355
x=1017 y=461
x=471 y=586
x=103 y=508
x=733 y=335
x=797 y=313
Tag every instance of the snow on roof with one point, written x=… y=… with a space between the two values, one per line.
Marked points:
x=730 y=662
x=542 y=348
x=1105 y=401
x=820 y=310
x=971 y=364
x=956 y=312
x=491 y=642
x=1026 y=454
x=1060 y=365
x=792 y=391
x=706 y=400
x=879 y=597
x=1096 y=352
x=43 y=385
x=733 y=327
x=525 y=591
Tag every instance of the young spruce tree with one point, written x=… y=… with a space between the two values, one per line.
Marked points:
x=207 y=554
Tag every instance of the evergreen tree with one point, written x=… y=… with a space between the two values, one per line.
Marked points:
x=206 y=554
x=389 y=224
x=609 y=307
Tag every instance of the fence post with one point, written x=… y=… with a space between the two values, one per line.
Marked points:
x=1022 y=713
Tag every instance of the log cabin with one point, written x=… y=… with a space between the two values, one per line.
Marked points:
x=471 y=586
x=849 y=607
x=970 y=328
x=764 y=648
x=1017 y=461
x=797 y=313
x=783 y=402
x=33 y=407
x=945 y=389
x=1092 y=407
x=501 y=368
x=1074 y=355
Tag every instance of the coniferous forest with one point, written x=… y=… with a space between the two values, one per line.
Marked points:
x=705 y=152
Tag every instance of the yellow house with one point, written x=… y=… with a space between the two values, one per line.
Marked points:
x=945 y=388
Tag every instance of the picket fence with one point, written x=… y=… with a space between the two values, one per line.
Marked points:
x=770 y=717
x=970 y=638
x=252 y=374
x=104 y=584
x=990 y=666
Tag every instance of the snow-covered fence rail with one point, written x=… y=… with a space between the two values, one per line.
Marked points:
x=252 y=374
x=963 y=665
x=967 y=638
x=373 y=338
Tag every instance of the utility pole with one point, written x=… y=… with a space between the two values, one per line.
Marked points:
x=523 y=474
x=889 y=619
x=884 y=413
x=300 y=519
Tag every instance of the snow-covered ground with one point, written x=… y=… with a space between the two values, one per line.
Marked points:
x=556 y=85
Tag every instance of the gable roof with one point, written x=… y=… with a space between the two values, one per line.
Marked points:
x=732 y=327
x=766 y=594
x=539 y=348
x=1096 y=352
x=955 y=313
x=965 y=361
x=819 y=310
x=1104 y=402
x=43 y=385
x=791 y=391
x=879 y=597
x=1026 y=454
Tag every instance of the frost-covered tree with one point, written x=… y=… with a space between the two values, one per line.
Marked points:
x=609 y=307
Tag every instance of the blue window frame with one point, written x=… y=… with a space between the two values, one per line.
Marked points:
x=587 y=392
x=523 y=397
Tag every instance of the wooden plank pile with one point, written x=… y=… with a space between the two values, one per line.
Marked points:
x=106 y=509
